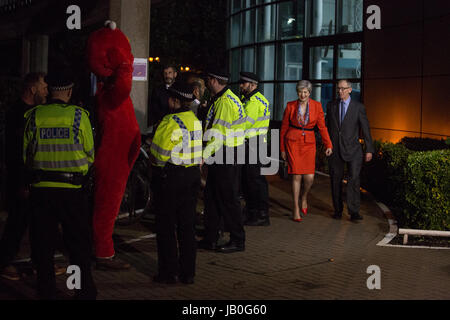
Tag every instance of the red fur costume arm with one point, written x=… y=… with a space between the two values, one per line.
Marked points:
x=110 y=59
x=120 y=90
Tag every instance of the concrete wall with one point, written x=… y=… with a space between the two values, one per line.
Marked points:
x=407 y=70
x=133 y=18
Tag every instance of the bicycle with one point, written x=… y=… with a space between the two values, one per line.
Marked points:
x=137 y=197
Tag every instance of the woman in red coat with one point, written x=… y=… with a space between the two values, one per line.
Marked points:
x=298 y=142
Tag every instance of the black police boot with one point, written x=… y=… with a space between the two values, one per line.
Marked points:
x=251 y=217
x=231 y=246
x=247 y=215
x=261 y=219
x=264 y=216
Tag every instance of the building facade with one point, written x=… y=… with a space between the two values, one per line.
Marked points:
x=284 y=41
x=34 y=37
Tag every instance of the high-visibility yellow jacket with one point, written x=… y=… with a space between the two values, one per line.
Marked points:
x=58 y=137
x=258 y=114
x=178 y=140
x=225 y=123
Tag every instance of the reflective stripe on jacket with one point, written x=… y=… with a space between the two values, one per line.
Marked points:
x=258 y=115
x=58 y=137
x=225 y=123
x=178 y=140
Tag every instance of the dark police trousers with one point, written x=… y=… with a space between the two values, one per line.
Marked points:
x=254 y=184
x=175 y=190
x=16 y=225
x=69 y=207
x=222 y=201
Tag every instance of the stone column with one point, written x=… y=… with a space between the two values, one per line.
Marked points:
x=133 y=18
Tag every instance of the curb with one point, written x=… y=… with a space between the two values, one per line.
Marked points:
x=393 y=228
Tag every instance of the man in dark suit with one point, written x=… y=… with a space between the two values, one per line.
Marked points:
x=345 y=119
x=159 y=101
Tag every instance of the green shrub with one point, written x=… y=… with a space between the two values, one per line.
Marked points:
x=423 y=144
x=427 y=193
x=384 y=176
x=415 y=185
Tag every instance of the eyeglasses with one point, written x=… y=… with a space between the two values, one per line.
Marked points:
x=342 y=89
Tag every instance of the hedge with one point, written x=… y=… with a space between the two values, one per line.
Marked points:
x=424 y=144
x=428 y=190
x=416 y=185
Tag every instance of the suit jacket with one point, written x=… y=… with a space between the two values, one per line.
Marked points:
x=159 y=104
x=315 y=118
x=345 y=136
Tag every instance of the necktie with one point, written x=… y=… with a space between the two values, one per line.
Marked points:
x=342 y=111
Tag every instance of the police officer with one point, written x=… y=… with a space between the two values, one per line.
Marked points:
x=225 y=126
x=254 y=184
x=176 y=155
x=59 y=149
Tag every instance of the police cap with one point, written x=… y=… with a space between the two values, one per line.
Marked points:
x=219 y=74
x=181 y=90
x=248 y=77
x=60 y=81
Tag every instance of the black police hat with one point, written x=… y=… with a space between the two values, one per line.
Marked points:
x=219 y=74
x=182 y=91
x=248 y=77
x=60 y=81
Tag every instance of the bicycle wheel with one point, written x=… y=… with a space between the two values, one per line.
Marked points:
x=137 y=194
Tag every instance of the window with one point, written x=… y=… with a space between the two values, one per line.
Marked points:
x=350 y=15
x=349 y=61
x=235 y=30
x=235 y=6
x=284 y=41
x=290 y=63
x=248 y=26
x=291 y=19
x=356 y=91
x=285 y=92
x=321 y=63
x=322 y=92
x=266 y=23
x=267 y=90
x=322 y=17
x=249 y=3
x=248 y=60
x=234 y=65
x=266 y=62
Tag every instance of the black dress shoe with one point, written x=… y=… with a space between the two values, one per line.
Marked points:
x=337 y=216
x=356 y=217
x=187 y=279
x=165 y=279
x=206 y=245
x=231 y=247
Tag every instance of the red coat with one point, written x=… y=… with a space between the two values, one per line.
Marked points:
x=301 y=149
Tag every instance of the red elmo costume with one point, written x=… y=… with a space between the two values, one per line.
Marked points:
x=111 y=60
